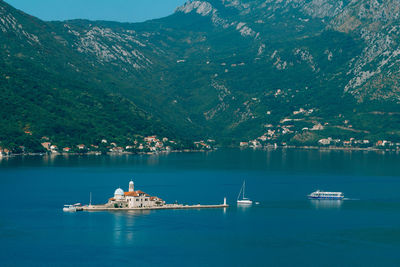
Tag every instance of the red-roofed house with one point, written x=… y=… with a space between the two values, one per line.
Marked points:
x=81 y=146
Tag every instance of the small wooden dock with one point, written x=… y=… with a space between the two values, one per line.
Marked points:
x=165 y=207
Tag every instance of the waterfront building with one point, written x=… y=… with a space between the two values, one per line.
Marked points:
x=133 y=199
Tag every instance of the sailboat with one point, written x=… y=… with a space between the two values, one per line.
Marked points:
x=243 y=200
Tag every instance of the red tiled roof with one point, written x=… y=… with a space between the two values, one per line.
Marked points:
x=136 y=193
x=131 y=194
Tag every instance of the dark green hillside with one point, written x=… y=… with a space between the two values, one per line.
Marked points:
x=67 y=110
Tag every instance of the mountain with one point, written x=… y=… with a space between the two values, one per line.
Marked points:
x=223 y=69
x=338 y=58
x=48 y=90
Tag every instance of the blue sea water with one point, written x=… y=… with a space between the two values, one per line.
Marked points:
x=285 y=229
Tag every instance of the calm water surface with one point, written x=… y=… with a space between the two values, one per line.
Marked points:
x=286 y=229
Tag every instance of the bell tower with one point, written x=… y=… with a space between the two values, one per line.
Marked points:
x=131 y=186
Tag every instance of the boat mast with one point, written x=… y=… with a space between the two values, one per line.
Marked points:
x=244 y=187
x=240 y=192
x=90 y=199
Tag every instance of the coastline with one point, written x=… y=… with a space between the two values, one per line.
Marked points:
x=94 y=153
x=346 y=148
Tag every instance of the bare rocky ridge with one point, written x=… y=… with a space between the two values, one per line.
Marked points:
x=374 y=22
x=9 y=24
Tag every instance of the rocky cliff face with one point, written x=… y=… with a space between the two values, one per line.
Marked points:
x=9 y=24
x=374 y=73
x=123 y=47
x=375 y=23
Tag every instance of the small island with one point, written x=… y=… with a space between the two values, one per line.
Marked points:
x=139 y=200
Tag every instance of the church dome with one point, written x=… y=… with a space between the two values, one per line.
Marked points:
x=119 y=192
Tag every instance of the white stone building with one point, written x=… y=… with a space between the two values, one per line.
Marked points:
x=133 y=199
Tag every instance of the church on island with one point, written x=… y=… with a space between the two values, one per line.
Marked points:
x=133 y=199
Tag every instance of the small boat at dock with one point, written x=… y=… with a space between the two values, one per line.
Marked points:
x=73 y=208
x=243 y=200
x=69 y=208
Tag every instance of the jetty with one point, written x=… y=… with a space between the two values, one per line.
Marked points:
x=134 y=200
x=165 y=207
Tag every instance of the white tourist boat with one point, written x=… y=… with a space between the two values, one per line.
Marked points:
x=69 y=208
x=326 y=195
x=243 y=200
x=72 y=208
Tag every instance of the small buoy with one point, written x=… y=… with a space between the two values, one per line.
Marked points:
x=257 y=203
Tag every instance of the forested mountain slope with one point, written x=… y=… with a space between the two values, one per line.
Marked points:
x=223 y=69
